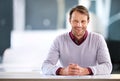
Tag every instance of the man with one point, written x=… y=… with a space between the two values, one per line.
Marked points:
x=79 y=51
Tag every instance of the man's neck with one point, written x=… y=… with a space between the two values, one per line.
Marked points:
x=78 y=40
x=78 y=37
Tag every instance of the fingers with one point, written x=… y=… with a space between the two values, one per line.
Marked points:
x=73 y=69
x=73 y=66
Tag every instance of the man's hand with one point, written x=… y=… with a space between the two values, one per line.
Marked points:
x=74 y=69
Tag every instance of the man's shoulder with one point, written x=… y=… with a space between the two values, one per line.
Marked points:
x=63 y=35
x=94 y=34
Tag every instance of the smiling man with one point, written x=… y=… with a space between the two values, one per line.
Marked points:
x=80 y=52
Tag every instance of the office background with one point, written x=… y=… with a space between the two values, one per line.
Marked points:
x=28 y=27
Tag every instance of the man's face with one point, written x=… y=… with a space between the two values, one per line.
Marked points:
x=79 y=23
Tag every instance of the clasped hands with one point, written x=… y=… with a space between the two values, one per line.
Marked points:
x=74 y=69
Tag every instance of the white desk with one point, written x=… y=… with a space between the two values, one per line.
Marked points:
x=36 y=76
x=33 y=74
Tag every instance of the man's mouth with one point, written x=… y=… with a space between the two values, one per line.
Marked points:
x=78 y=28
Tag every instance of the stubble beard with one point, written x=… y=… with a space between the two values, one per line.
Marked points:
x=78 y=33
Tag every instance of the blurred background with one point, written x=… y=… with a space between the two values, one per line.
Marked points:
x=28 y=27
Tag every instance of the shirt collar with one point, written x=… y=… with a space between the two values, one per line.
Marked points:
x=76 y=41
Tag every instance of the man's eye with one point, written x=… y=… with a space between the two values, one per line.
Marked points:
x=83 y=21
x=75 y=21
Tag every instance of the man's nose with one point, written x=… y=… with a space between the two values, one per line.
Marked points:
x=79 y=24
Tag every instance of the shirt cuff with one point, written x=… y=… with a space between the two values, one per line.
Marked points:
x=58 y=71
x=90 y=71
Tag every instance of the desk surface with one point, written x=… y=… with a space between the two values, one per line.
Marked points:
x=37 y=75
x=10 y=73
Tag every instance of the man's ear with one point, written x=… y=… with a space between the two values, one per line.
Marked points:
x=88 y=20
x=69 y=20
